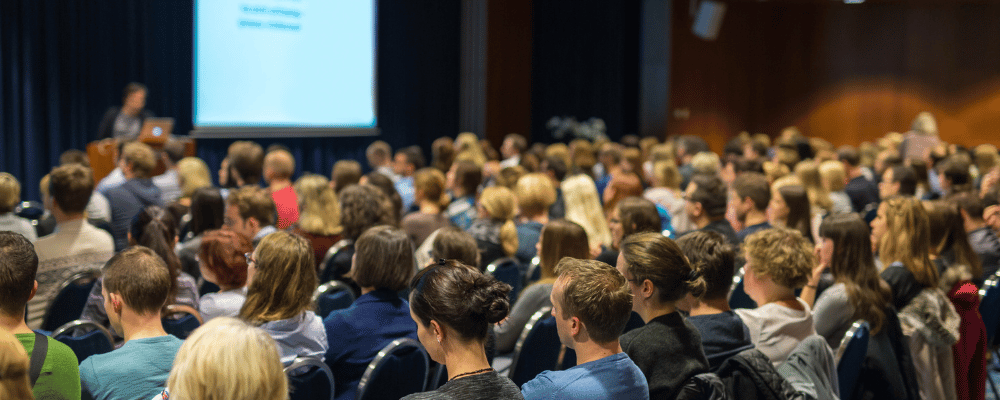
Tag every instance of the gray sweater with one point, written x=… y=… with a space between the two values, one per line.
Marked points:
x=668 y=351
x=832 y=314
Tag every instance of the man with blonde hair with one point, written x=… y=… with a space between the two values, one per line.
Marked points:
x=279 y=165
x=137 y=162
x=591 y=303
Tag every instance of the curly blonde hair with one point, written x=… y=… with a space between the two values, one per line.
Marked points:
x=782 y=254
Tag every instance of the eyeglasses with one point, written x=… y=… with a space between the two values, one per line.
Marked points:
x=250 y=259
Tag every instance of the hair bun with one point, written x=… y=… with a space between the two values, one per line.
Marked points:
x=489 y=299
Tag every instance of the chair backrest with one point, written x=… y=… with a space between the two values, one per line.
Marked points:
x=738 y=297
x=989 y=306
x=316 y=382
x=508 y=270
x=183 y=326
x=850 y=355
x=326 y=272
x=97 y=341
x=330 y=296
x=537 y=349
x=399 y=369
x=534 y=272
x=32 y=210
x=70 y=299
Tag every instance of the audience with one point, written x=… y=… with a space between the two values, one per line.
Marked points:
x=666 y=193
x=222 y=261
x=723 y=333
x=789 y=208
x=778 y=261
x=75 y=246
x=834 y=178
x=591 y=303
x=559 y=239
x=494 y=229
x=535 y=195
x=250 y=211
x=279 y=165
x=383 y=266
x=750 y=196
x=668 y=348
x=281 y=277
x=135 y=194
x=204 y=369
x=901 y=237
x=511 y=148
x=555 y=169
x=430 y=199
x=136 y=286
x=319 y=220
x=58 y=376
x=861 y=190
x=392 y=202
x=98 y=209
x=453 y=306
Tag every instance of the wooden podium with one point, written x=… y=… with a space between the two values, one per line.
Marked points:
x=102 y=154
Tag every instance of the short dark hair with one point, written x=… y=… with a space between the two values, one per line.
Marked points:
x=753 y=185
x=18 y=266
x=906 y=178
x=955 y=170
x=971 y=204
x=597 y=294
x=71 y=186
x=255 y=202
x=519 y=142
x=383 y=259
x=638 y=215
x=469 y=176
x=207 y=210
x=849 y=155
x=74 y=156
x=459 y=296
x=710 y=192
x=247 y=159
x=414 y=155
x=452 y=243
x=133 y=87
x=174 y=149
x=362 y=207
x=557 y=166
x=345 y=173
x=140 y=277
x=709 y=252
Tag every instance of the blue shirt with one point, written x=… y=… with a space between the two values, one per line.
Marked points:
x=612 y=377
x=462 y=211
x=528 y=234
x=752 y=229
x=137 y=370
x=357 y=333
x=406 y=192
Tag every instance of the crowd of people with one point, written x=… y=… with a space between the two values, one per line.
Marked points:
x=900 y=234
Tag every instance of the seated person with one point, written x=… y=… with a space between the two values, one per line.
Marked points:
x=560 y=238
x=279 y=165
x=453 y=306
x=494 y=229
x=228 y=377
x=750 y=196
x=14 y=376
x=250 y=211
x=668 y=348
x=630 y=216
x=10 y=196
x=383 y=265
x=706 y=206
x=430 y=200
x=723 y=333
x=535 y=194
x=59 y=377
x=223 y=262
x=135 y=194
x=136 y=286
x=452 y=243
x=282 y=279
x=590 y=327
x=779 y=260
x=463 y=181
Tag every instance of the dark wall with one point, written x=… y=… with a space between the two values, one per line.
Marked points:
x=845 y=72
x=63 y=63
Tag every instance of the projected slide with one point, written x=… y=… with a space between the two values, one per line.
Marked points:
x=284 y=63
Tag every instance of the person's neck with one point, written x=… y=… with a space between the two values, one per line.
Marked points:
x=14 y=323
x=279 y=184
x=62 y=217
x=130 y=111
x=754 y=217
x=652 y=309
x=709 y=307
x=464 y=357
x=701 y=221
x=971 y=225
x=366 y=290
x=854 y=172
x=227 y=288
x=141 y=326
x=429 y=207
x=782 y=296
x=592 y=351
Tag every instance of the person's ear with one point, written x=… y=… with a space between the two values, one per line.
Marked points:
x=116 y=302
x=438 y=331
x=34 y=289
x=575 y=326
x=253 y=222
x=647 y=288
x=699 y=209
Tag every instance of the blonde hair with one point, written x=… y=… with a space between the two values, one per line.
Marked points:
x=775 y=170
x=808 y=173
x=907 y=238
x=706 y=162
x=535 y=194
x=560 y=151
x=14 y=382
x=320 y=207
x=281 y=163
x=10 y=192
x=140 y=157
x=285 y=280
x=508 y=176
x=194 y=173
x=783 y=254
x=499 y=202
x=226 y=359
x=667 y=174
x=833 y=175
x=584 y=208
x=467 y=148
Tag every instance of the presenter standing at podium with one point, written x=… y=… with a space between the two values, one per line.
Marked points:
x=123 y=123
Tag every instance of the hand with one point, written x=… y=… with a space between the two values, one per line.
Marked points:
x=817 y=271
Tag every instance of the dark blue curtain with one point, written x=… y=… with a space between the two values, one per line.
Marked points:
x=64 y=62
x=585 y=63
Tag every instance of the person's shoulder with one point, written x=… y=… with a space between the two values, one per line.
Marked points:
x=544 y=386
x=61 y=354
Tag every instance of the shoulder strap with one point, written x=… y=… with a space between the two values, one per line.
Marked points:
x=38 y=354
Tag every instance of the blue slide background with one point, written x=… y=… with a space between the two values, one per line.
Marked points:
x=284 y=63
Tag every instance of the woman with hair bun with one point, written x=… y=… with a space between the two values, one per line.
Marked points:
x=454 y=306
x=668 y=348
x=428 y=185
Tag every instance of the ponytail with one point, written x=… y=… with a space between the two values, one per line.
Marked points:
x=155 y=228
x=508 y=237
